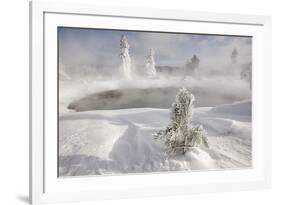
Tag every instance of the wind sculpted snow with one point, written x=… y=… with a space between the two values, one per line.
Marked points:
x=121 y=141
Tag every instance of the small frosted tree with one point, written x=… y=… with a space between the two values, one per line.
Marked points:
x=234 y=55
x=246 y=74
x=150 y=70
x=193 y=63
x=180 y=135
x=125 y=64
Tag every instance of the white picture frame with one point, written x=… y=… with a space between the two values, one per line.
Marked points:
x=46 y=187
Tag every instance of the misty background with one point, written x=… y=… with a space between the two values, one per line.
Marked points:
x=82 y=49
x=89 y=61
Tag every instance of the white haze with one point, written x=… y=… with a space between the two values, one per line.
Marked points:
x=82 y=49
x=89 y=63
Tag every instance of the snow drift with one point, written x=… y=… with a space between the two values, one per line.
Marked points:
x=120 y=141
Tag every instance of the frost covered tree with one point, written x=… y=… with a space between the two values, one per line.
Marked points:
x=150 y=70
x=246 y=73
x=234 y=55
x=193 y=63
x=180 y=135
x=125 y=64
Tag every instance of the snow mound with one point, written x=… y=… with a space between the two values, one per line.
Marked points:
x=121 y=141
x=199 y=159
x=238 y=108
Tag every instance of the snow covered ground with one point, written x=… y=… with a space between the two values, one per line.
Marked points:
x=120 y=141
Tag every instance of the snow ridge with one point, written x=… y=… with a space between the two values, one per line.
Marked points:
x=120 y=141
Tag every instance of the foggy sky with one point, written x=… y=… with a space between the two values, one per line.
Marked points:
x=92 y=46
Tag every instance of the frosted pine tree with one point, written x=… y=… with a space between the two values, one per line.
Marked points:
x=234 y=55
x=199 y=137
x=150 y=70
x=180 y=135
x=246 y=73
x=192 y=64
x=125 y=64
x=182 y=110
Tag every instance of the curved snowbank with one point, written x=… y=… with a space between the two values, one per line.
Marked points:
x=120 y=141
x=238 y=108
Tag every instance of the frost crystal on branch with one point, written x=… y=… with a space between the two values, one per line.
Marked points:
x=125 y=64
x=150 y=70
x=181 y=135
